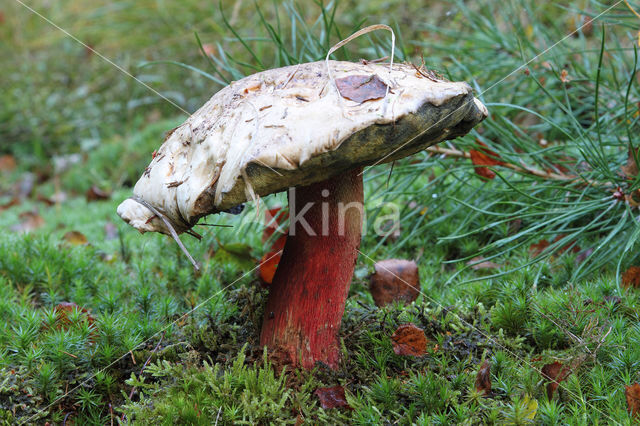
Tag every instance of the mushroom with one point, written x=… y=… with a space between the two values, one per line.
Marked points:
x=310 y=130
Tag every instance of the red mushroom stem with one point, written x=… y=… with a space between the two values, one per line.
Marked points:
x=309 y=289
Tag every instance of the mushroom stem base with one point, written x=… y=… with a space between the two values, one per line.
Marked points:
x=309 y=290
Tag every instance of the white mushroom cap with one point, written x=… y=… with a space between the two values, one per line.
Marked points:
x=289 y=127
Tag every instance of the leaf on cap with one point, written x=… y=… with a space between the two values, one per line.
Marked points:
x=409 y=340
x=361 y=88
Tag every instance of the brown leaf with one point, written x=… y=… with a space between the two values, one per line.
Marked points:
x=75 y=238
x=483 y=156
x=537 y=248
x=630 y=169
x=632 y=393
x=96 y=194
x=478 y=263
x=63 y=310
x=332 y=397
x=13 y=202
x=269 y=263
x=631 y=277
x=361 y=88
x=7 y=163
x=409 y=340
x=556 y=373
x=483 y=378
x=209 y=49
x=29 y=221
x=395 y=280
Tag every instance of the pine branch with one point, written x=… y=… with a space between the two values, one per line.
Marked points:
x=524 y=169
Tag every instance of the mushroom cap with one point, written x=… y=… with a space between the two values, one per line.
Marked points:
x=291 y=126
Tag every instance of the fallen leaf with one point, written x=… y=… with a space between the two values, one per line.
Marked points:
x=274 y=218
x=530 y=406
x=96 y=194
x=630 y=169
x=333 y=397
x=110 y=231
x=12 y=202
x=581 y=23
x=63 y=310
x=409 y=340
x=556 y=373
x=29 y=221
x=7 y=163
x=75 y=238
x=537 y=248
x=483 y=378
x=631 y=277
x=361 y=88
x=478 y=263
x=632 y=393
x=209 y=49
x=394 y=280
x=483 y=156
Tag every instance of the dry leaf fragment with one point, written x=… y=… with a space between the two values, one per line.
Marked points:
x=632 y=393
x=361 y=88
x=96 y=194
x=7 y=163
x=13 y=202
x=478 y=263
x=564 y=76
x=29 y=221
x=484 y=157
x=269 y=263
x=630 y=169
x=631 y=277
x=75 y=238
x=64 y=309
x=409 y=340
x=483 y=378
x=537 y=248
x=333 y=397
x=556 y=372
x=395 y=280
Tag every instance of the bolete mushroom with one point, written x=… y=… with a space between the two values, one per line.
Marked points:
x=300 y=127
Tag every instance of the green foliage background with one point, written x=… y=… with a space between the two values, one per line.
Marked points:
x=57 y=99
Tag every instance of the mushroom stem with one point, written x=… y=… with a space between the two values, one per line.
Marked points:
x=309 y=290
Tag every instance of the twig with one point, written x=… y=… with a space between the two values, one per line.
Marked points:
x=147 y=362
x=172 y=231
x=523 y=169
